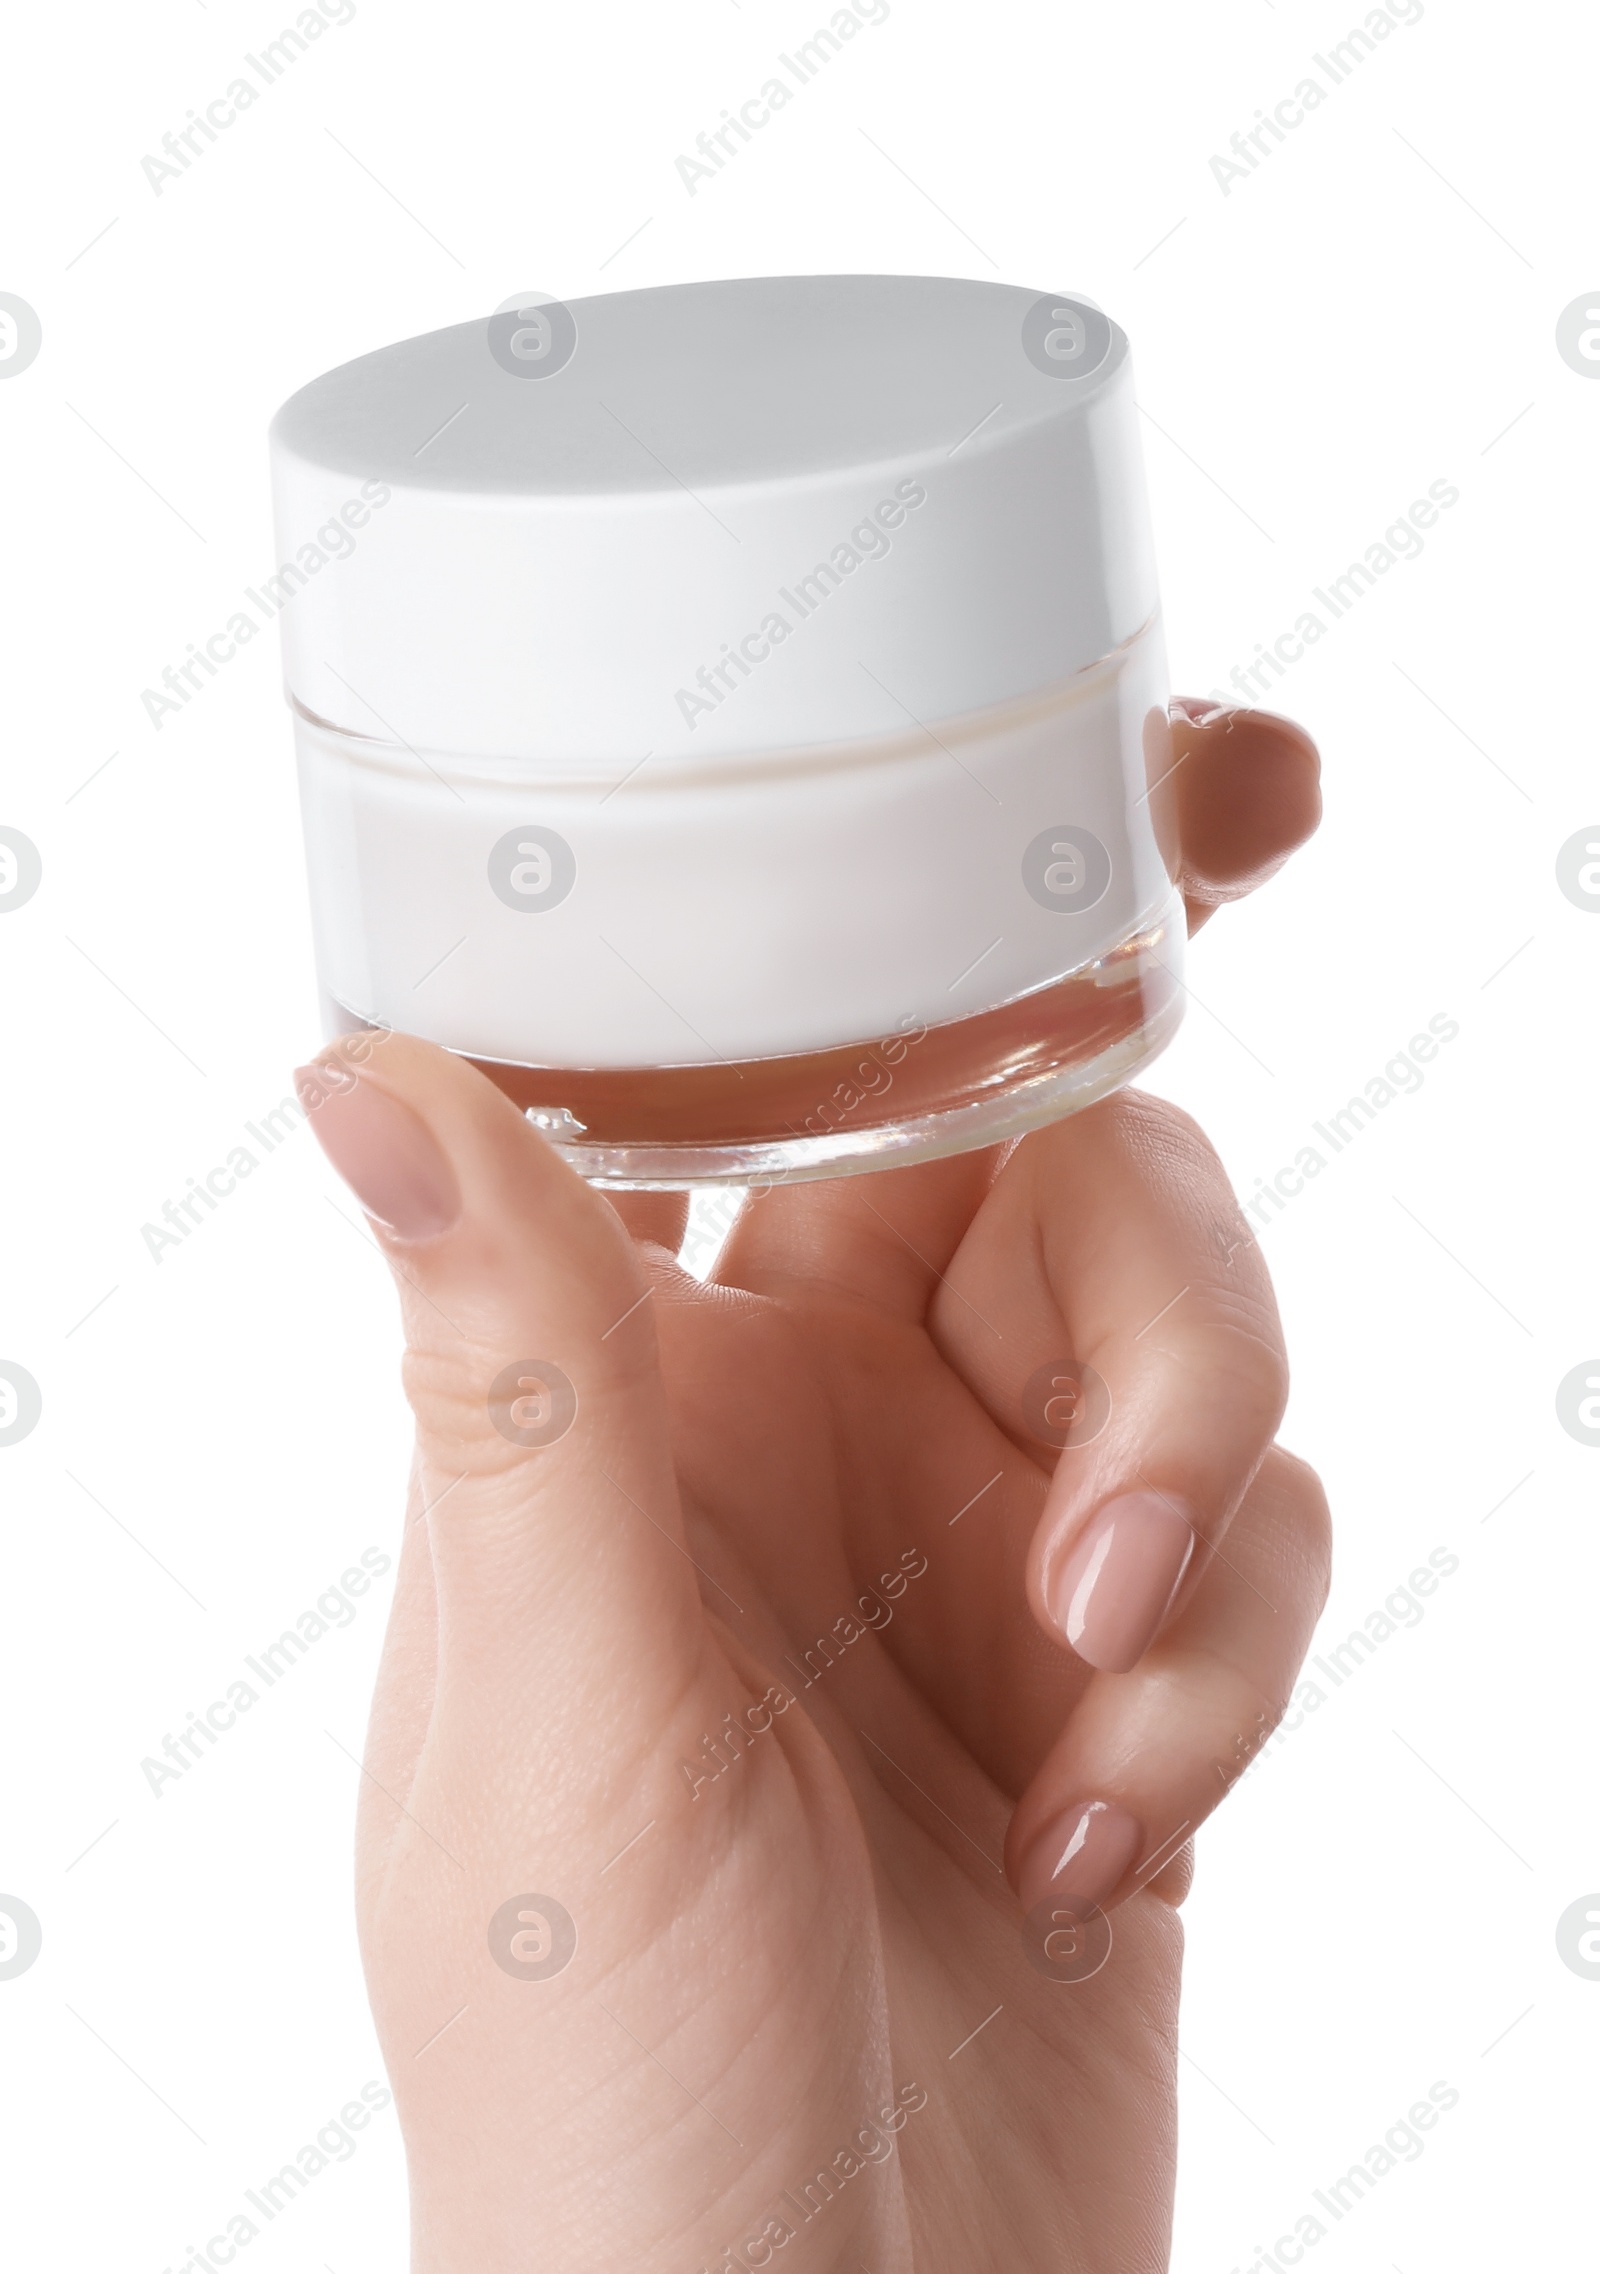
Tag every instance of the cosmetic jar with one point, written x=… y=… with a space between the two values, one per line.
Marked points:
x=734 y=716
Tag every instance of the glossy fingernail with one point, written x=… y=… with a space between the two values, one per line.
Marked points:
x=1115 y=1585
x=390 y=1160
x=1085 y=1852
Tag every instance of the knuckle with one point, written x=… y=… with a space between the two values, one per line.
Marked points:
x=480 y=1415
x=1183 y=1181
x=1244 y=1366
x=1301 y=1507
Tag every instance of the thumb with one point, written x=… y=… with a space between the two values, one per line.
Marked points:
x=566 y=1597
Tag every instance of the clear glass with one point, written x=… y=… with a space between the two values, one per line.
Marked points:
x=751 y=967
x=913 y=1095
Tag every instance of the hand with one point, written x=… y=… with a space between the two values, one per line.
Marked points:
x=802 y=1682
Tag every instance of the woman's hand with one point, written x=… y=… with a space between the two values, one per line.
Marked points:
x=771 y=1707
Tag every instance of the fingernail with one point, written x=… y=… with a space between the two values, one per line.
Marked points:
x=1116 y=1583
x=1199 y=710
x=386 y=1155
x=1085 y=1852
x=1278 y=728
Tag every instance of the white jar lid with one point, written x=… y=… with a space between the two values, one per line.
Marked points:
x=710 y=518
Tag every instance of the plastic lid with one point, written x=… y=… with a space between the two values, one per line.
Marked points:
x=708 y=519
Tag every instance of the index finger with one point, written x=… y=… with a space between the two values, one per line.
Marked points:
x=1131 y=1324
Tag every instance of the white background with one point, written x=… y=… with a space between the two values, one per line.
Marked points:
x=1370 y=310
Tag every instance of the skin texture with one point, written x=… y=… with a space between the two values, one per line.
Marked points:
x=813 y=1480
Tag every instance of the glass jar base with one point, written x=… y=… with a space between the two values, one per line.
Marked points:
x=958 y=1128
x=916 y=1095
